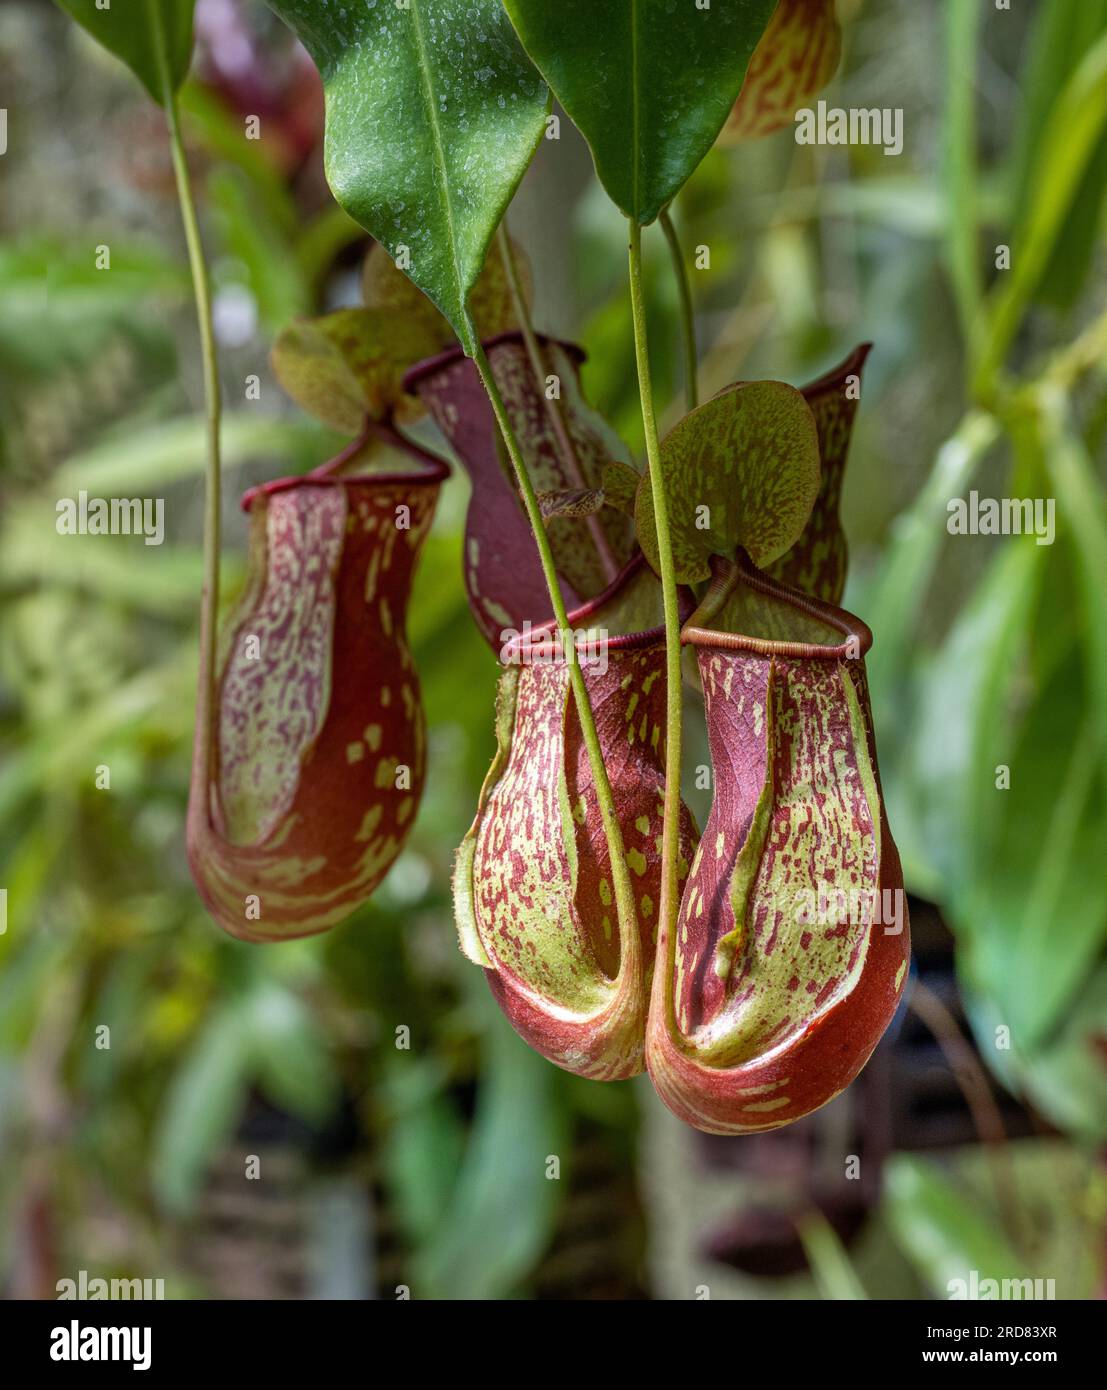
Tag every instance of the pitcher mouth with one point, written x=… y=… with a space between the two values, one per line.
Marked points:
x=727 y=575
x=430 y=365
x=524 y=647
x=429 y=467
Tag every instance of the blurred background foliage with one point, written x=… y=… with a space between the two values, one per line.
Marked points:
x=426 y=1166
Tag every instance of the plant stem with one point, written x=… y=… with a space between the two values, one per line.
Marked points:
x=670 y=844
x=962 y=35
x=687 y=317
x=201 y=288
x=630 y=953
x=562 y=437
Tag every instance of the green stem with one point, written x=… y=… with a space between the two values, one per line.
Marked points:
x=562 y=438
x=630 y=955
x=209 y=597
x=962 y=33
x=670 y=843
x=687 y=316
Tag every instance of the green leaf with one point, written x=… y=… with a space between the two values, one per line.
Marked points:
x=503 y=1207
x=433 y=114
x=1067 y=1079
x=943 y=1230
x=961 y=728
x=423 y=1146
x=202 y=1106
x=829 y=1259
x=740 y=470
x=290 y=1055
x=1070 y=142
x=152 y=456
x=1035 y=916
x=1081 y=497
x=894 y=602
x=649 y=83
x=1060 y=35
x=946 y=1218
x=131 y=29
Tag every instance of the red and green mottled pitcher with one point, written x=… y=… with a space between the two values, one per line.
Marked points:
x=791 y=946
x=533 y=891
x=316 y=743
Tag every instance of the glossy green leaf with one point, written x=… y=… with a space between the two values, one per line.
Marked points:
x=433 y=113
x=132 y=29
x=740 y=470
x=649 y=83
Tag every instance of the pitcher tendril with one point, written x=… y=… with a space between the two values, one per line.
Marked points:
x=670 y=847
x=687 y=314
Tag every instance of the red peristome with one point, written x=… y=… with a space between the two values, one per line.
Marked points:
x=818 y=562
x=317 y=741
x=533 y=886
x=503 y=576
x=791 y=946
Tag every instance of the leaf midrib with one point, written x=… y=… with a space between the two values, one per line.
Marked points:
x=441 y=176
x=635 y=109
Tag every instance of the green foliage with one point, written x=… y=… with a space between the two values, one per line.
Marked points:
x=992 y=653
x=1034 y=1211
x=502 y=1208
x=1061 y=34
x=829 y=1261
x=433 y=114
x=649 y=84
x=1071 y=141
x=944 y=1232
x=139 y=33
